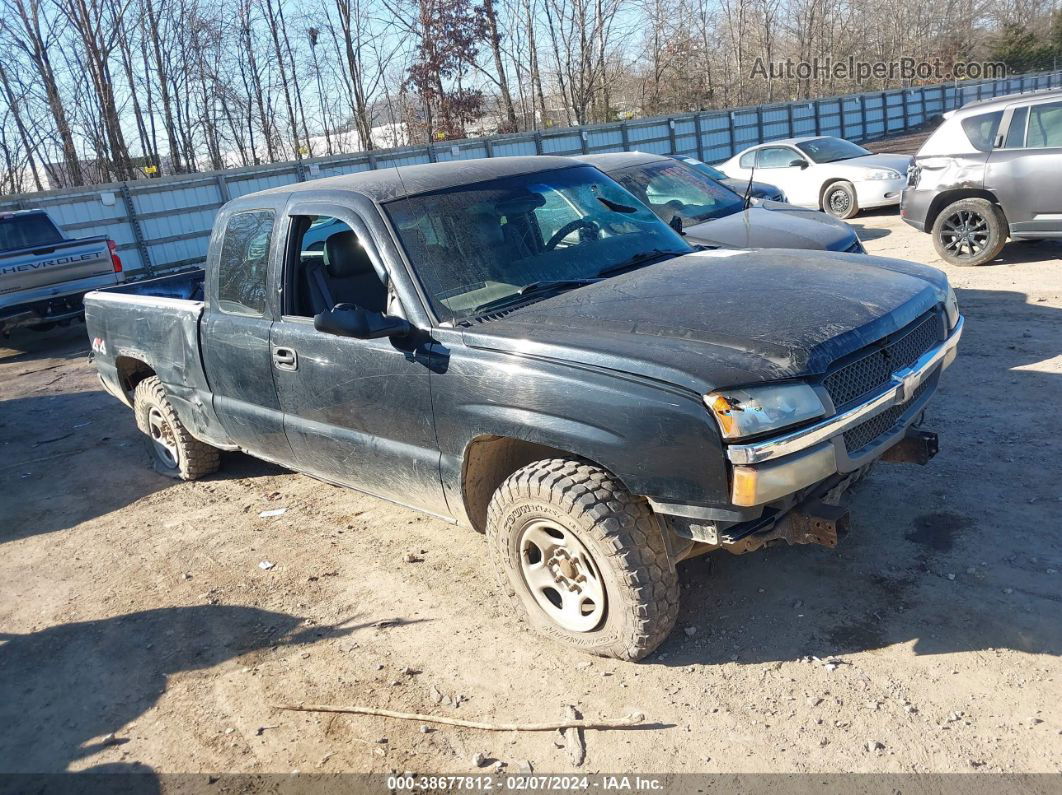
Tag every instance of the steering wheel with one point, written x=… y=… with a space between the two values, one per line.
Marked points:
x=567 y=229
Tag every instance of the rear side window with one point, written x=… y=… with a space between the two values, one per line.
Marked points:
x=243 y=263
x=1016 y=130
x=27 y=231
x=981 y=130
x=1045 y=126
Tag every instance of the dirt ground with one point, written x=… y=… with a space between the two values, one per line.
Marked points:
x=140 y=627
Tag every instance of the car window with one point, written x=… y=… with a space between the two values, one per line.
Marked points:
x=474 y=245
x=1016 y=130
x=747 y=159
x=671 y=189
x=243 y=262
x=327 y=267
x=1045 y=125
x=27 y=231
x=830 y=150
x=775 y=157
x=981 y=130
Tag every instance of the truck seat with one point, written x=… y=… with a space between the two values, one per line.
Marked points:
x=345 y=276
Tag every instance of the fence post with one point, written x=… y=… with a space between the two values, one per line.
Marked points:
x=538 y=142
x=223 y=187
x=488 y=144
x=759 y=124
x=625 y=136
x=863 y=116
x=671 y=136
x=584 y=144
x=906 y=111
x=844 y=125
x=698 y=127
x=818 y=117
x=730 y=134
x=138 y=233
x=789 y=120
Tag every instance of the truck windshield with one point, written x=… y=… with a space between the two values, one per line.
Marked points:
x=27 y=231
x=474 y=246
x=671 y=189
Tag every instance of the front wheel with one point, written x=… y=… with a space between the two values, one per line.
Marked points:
x=582 y=560
x=970 y=232
x=174 y=452
x=839 y=200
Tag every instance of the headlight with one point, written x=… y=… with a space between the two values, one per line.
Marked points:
x=951 y=308
x=746 y=412
x=882 y=173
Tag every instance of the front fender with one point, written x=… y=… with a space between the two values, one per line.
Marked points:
x=658 y=439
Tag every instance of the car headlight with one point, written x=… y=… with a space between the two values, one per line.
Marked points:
x=747 y=412
x=882 y=173
x=951 y=308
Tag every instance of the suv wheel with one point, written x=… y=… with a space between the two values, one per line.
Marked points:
x=583 y=561
x=839 y=200
x=174 y=452
x=970 y=232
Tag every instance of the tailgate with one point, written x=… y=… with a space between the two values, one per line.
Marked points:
x=28 y=270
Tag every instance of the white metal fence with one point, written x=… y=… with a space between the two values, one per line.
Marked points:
x=165 y=223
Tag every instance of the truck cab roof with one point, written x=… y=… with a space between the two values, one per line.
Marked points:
x=388 y=183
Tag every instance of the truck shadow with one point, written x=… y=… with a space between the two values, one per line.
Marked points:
x=71 y=457
x=67 y=689
x=961 y=555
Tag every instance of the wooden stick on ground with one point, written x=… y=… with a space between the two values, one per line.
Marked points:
x=633 y=719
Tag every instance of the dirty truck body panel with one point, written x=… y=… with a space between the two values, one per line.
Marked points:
x=614 y=371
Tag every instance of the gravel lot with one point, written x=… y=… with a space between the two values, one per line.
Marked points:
x=138 y=629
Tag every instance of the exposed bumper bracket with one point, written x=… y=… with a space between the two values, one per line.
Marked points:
x=917 y=447
x=816 y=523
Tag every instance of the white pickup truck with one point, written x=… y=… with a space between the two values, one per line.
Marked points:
x=44 y=275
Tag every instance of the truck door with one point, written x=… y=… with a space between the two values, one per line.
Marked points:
x=236 y=353
x=1024 y=167
x=357 y=412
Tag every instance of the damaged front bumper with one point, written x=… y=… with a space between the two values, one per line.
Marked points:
x=770 y=469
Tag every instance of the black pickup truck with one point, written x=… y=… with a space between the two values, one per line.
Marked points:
x=518 y=345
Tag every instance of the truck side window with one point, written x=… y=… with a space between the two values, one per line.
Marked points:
x=243 y=262
x=329 y=266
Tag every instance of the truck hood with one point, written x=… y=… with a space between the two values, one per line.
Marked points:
x=775 y=225
x=711 y=319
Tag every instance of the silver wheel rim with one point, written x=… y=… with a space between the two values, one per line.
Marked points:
x=162 y=438
x=561 y=576
x=840 y=201
x=964 y=234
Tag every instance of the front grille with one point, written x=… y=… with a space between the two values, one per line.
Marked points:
x=872 y=370
x=855 y=439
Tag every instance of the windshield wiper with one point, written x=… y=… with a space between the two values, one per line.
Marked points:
x=532 y=289
x=637 y=261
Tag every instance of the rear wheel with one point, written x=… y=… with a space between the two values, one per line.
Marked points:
x=582 y=560
x=174 y=452
x=839 y=200
x=970 y=232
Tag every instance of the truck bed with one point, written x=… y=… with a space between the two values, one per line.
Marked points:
x=156 y=322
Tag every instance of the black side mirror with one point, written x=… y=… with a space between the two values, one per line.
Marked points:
x=676 y=224
x=798 y=162
x=348 y=320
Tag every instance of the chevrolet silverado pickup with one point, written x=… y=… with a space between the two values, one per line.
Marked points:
x=520 y=346
x=44 y=274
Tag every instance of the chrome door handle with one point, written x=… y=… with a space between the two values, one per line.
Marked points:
x=285 y=359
